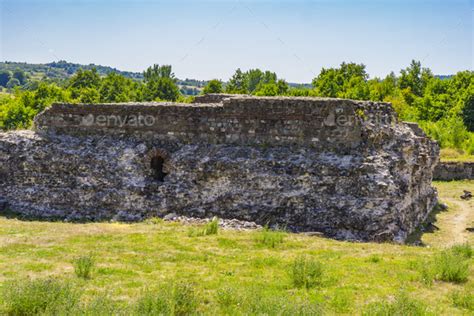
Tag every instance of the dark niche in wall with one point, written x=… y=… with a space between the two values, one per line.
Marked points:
x=156 y=165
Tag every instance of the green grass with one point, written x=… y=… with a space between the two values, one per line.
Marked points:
x=270 y=238
x=83 y=266
x=306 y=272
x=35 y=297
x=174 y=299
x=210 y=228
x=463 y=250
x=451 y=268
x=455 y=155
x=402 y=304
x=464 y=299
x=139 y=267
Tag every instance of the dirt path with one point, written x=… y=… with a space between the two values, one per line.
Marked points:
x=460 y=219
x=452 y=223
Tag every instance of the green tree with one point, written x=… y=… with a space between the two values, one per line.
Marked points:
x=267 y=89
x=283 y=87
x=238 y=83
x=213 y=86
x=116 y=88
x=43 y=96
x=12 y=83
x=89 y=95
x=20 y=76
x=415 y=78
x=468 y=110
x=160 y=84
x=82 y=84
x=156 y=72
x=253 y=78
x=252 y=81
x=85 y=79
x=460 y=87
x=5 y=76
x=381 y=89
x=347 y=81
x=272 y=88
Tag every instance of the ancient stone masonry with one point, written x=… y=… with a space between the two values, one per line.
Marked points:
x=447 y=171
x=346 y=168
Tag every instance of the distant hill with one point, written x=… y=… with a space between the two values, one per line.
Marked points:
x=63 y=70
x=443 y=77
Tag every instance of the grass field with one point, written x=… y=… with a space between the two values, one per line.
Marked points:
x=454 y=155
x=158 y=267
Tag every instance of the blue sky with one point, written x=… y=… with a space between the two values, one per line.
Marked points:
x=210 y=39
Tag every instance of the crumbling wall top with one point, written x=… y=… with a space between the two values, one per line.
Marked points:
x=318 y=122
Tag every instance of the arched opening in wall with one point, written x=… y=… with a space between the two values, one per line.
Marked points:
x=156 y=165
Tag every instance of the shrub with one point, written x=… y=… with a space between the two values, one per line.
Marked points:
x=306 y=272
x=210 y=228
x=401 y=305
x=83 y=267
x=463 y=300
x=270 y=238
x=41 y=296
x=451 y=267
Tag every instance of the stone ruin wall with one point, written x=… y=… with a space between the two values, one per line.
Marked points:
x=345 y=168
x=447 y=171
x=324 y=123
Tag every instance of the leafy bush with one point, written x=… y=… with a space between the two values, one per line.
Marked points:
x=401 y=305
x=15 y=115
x=450 y=133
x=41 y=296
x=83 y=267
x=306 y=272
x=270 y=238
x=210 y=228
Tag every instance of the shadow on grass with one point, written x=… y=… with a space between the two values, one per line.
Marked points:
x=428 y=226
x=10 y=214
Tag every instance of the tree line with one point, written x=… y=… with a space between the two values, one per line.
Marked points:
x=444 y=107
